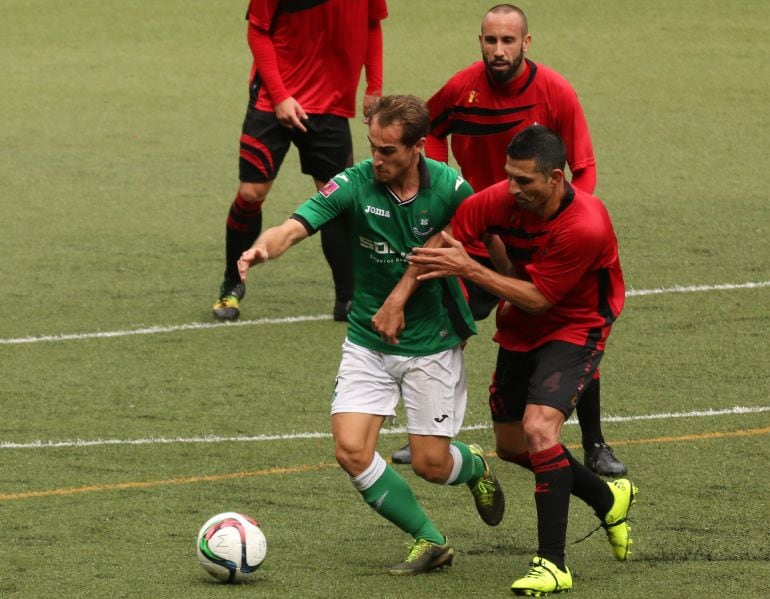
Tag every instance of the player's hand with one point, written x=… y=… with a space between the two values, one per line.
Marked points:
x=252 y=256
x=290 y=114
x=389 y=322
x=452 y=261
x=369 y=102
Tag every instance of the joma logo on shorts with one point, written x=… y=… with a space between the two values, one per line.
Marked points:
x=377 y=211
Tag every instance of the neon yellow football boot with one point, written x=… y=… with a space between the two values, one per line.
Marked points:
x=543 y=578
x=616 y=521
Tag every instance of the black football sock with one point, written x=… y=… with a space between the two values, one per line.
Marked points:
x=244 y=224
x=553 y=484
x=589 y=414
x=589 y=487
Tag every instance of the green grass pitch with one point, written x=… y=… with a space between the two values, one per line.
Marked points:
x=128 y=418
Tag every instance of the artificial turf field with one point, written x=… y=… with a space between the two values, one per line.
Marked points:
x=129 y=416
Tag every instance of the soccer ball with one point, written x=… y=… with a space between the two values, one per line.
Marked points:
x=231 y=546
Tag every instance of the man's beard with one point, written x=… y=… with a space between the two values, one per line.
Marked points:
x=506 y=75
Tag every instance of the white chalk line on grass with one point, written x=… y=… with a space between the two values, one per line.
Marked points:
x=153 y=330
x=737 y=410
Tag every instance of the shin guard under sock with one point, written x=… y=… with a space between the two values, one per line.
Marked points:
x=553 y=485
x=391 y=496
x=244 y=224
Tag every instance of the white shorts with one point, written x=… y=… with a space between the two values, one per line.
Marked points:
x=433 y=388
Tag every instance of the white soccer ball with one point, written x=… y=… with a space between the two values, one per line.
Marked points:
x=231 y=546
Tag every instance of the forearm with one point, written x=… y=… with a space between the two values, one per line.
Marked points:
x=276 y=240
x=496 y=251
x=522 y=294
x=408 y=283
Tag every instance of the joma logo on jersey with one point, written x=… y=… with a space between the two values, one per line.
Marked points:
x=379 y=247
x=377 y=211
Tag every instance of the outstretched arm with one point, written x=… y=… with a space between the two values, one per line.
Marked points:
x=271 y=244
x=454 y=261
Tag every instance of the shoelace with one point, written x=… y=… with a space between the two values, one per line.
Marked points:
x=485 y=489
x=536 y=572
x=416 y=550
x=604 y=526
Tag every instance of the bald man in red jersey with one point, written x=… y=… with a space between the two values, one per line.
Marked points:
x=478 y=111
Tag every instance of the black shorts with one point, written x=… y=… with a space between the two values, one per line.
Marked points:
x=325 y=150
x=554 y=374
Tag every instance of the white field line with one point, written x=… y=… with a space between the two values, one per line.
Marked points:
x=153 y=330
x=737 y=410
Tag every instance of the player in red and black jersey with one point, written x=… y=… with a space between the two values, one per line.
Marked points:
x=479 y=110
x=561 y=286
x=308 y=57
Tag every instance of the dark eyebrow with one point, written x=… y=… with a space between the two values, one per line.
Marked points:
x=380 y=148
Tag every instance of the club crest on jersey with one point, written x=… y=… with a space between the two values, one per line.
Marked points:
x=474 y=93
x=423 y=227
x=329 y=188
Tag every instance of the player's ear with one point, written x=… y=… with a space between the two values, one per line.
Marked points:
x=420 y=145
x=557 y=176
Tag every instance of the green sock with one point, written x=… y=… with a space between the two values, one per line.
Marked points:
x=393 y=498
x=472 y=467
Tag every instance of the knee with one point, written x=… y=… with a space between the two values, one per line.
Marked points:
x=433 y=470
x=253 y=193
x=353 y=460
x=539 y=435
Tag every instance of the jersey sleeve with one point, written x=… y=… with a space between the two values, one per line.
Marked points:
x=474 y=216
x=373 y=62
x=261 y=12
x=439 y=112
x=266 y=63
x=333 y=199
x=462 y=190
x=437 y=144
x=573 y=128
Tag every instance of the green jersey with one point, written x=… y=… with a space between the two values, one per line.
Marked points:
x=383 y=230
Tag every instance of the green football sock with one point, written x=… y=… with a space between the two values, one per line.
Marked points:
x=393 y=498
x=472 y=466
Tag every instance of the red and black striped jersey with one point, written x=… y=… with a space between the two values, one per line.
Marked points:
x=320 y=48
x=482 y=117
x=572 y=259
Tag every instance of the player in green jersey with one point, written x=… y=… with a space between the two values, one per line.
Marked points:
x=404 y=337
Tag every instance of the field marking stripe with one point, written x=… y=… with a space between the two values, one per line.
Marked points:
x=736 y=410
x=326 y=466
x=153 y=330
x=696 y=288
x=196 y=326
